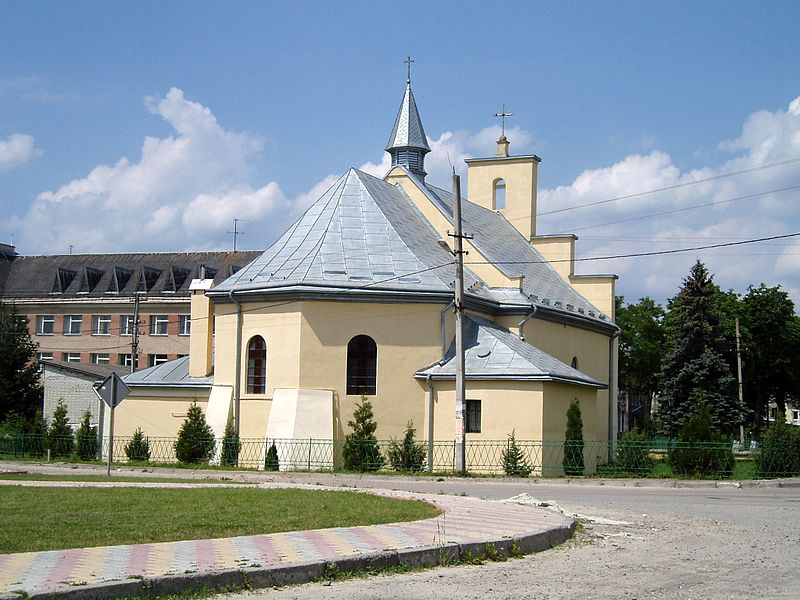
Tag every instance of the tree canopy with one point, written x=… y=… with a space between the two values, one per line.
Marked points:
x=20 y=389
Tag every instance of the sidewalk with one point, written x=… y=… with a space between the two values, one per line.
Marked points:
x=466 y=525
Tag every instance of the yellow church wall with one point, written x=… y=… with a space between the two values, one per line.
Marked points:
x=594 y=417
x=160 y=412
x=597 y=289
x=559 y=251
x=408 y=337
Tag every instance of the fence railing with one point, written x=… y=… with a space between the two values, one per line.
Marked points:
x=655 y=458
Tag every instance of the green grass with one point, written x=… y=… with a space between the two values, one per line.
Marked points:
x=36 y=518
x=116 y=477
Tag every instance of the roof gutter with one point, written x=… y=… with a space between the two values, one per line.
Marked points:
x=238 y=365
x=444 y=311
x=528 y=317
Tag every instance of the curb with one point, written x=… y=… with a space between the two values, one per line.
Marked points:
x=303 y=572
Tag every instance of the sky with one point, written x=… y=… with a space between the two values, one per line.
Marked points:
x=151 y=126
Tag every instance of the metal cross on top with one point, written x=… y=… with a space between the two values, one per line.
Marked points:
x=504 y=114
x=408 y=62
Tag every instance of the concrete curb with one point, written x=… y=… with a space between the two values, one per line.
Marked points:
x=303 y=572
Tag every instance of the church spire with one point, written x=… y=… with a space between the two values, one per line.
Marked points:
x=407 y=143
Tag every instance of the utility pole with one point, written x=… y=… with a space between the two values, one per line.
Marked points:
x=739 y=369
x=236 y=233
x=135 y=339
x=458 y=308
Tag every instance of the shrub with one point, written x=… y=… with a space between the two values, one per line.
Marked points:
x=633 y=453
x=195 y=443
x=60 y=439
x=573 y=440
x=271 y=459
x=408 y=455
x=780 y=451
x=138 y=448
x=86 y=439
x=701 y=450
x=515 y=462
x=230 y=445
x=361 y=452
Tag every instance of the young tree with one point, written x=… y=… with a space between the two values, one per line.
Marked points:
x=60 y=439
x=361 y=452
x=515 y=463
x=271 y=462
x=694 y=366
x=701 y=451
x=138 y=448
x=407 y=455
x=230 y=445
x=86 y=439
x=573 y=440
x=195 y=443
x=20 y=389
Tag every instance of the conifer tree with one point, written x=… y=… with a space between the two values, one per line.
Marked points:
x=86 y=439
x=271 y=462
x=230 y=445
x=361 y=452
x=694 y=365
x=20 y=386
x=60 y=439
x=407 y=455
x=515 y=462
x=138 y=448
x=195 y=443
x=573 y=440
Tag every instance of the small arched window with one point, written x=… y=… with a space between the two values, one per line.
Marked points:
x=362 y=366
x=574 y=362
x=257 y=366
x=499 y=194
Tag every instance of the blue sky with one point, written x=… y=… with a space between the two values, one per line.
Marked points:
x=150 y=126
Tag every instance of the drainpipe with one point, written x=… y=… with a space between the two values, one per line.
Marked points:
x=612 y=401
x=238 y=355
x=529 y=316
x=444 y=311
x=430 y=423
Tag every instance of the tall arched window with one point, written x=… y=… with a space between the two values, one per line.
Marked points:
x=257 y=366
x=499 y=194
x=362 y=366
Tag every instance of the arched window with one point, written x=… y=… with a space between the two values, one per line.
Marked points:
x=499 y=194
x=257 y=366
x=574 y=362
x=362 y=365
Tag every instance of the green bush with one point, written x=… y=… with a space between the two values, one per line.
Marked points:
x=573 y=440
x=361 y=452
x=195 y=443
x=271 y=459
x=60 y=439
x=701 y=450
x=138 y=448
x=230 y=445
x=408 y=455
x=515 y=463
x=86 y=439
x=633 y=453
x=780 y=451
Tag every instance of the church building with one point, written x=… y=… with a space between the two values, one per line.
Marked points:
x=356 y=298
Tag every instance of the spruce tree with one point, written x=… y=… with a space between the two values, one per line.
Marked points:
x=694 y=366
x=361 y=452
x=195 y=443
x=60 y=439
x=230 y=445
x=271 y=462
x=86 y=439
x=20 y=385
x=138 y=448
x=407 y=455
x=573 y=440
x=515 y=463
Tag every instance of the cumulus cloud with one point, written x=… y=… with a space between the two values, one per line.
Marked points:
x=17 y=149
x=723 y=208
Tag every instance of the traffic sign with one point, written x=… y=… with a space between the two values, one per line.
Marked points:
x=112 y=390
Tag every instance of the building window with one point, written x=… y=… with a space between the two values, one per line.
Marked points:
x=45 y=324
x=154 y=360
x=101 y=324
x=362 y=366
x=574 y=362
x=257 y=366
x=184 y=324
x=125 y=360
x=126 y=324
x=159 y=324
x=473 y=424
x=499 y=194
x=71 y=357
x=44 y=356
x=795 y=415
x=73 y=324
x=99 y=359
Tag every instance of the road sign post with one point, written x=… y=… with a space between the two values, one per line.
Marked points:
x=112 y=391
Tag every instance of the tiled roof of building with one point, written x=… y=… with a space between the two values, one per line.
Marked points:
x=492 y=352
x=104 y=275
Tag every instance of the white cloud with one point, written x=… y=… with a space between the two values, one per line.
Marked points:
x=16 y=150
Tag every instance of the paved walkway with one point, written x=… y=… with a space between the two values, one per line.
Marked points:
x=466 y=524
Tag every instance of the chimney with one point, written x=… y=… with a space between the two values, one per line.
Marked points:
x=201 y=334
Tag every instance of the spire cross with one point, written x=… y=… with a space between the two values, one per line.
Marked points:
x=408 y=62
x=504 y=114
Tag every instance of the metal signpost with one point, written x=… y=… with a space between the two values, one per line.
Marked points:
x=112 y=391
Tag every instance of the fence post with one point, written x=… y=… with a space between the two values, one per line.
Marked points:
x=309 y=453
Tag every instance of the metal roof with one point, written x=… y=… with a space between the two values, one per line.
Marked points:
x=493 y=352
x=174 y=373
x=89 y=370
x=407 y=131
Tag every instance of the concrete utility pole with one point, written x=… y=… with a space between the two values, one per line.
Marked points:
x=739 y=369
x=461 y=403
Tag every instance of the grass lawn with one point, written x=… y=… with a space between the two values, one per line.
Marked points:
x=36 y=518
x=116 y=477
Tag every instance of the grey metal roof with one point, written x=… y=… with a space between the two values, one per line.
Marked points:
x=88 y=370
x=174 y=373
x=493 y=352
x=101 y=275
x=407 y=131
x=363 y=236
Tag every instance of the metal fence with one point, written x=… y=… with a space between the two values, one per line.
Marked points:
x=654 y=458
